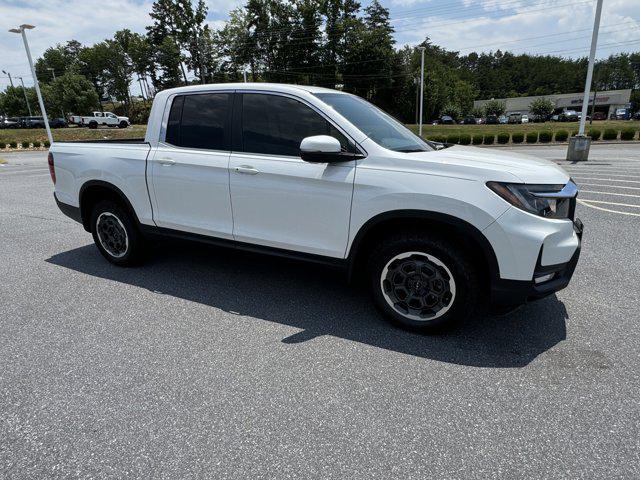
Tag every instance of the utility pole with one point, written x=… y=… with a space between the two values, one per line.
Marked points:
x=22 y=30
x=24 y=91
x=10 y=79
x=244 y=75
x=53 y=72
x=579 y=146
x=421 y=88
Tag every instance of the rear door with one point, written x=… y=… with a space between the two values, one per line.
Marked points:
x=189 y=169
x=278 y=199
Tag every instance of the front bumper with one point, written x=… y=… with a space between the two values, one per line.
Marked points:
x=506 y=294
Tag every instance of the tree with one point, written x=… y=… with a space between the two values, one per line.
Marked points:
x=58 y=60
x=494 y=107
x=542 y=107
x=71 y=93
x=452 y=110
x=13 y=104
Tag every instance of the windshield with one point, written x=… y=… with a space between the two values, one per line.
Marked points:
x=374 y=123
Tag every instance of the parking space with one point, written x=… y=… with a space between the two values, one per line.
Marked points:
x=218 y=364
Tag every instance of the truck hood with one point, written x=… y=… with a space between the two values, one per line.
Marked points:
x=526 y=168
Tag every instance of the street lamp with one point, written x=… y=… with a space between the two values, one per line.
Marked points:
x=22 y=30
x=10 y=79
x=26 y=99
x=421 y=87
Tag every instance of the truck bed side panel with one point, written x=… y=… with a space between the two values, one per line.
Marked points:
x=120 y=164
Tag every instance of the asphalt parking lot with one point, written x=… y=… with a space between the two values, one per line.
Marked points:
x=217 y=364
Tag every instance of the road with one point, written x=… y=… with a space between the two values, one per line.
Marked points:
x=216 y=364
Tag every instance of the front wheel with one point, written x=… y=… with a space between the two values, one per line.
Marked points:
x=422 y=282
x=115 y=234
x=123 y=124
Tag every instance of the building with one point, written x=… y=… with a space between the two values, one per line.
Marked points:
x=606 y=101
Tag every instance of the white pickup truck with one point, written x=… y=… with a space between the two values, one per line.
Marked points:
x=97 y=119
x=325 y=176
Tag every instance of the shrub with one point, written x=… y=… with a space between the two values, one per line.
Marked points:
x=532 y=137
x=561 y=136
x=610 y=134
x=36 y=144
x=438 y=138
x=488 y=139
x=13 y=144
x=453 y=138
x=594 y=133
x=503 y=137
x=545 y=136
x=627 y=134
x=476 y=139
x=25 y=144
x=465 y=139
x=3 y=145
x=517 y=137
x=47 y=144
x=574 y=133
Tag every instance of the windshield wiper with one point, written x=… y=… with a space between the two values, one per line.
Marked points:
x=411 y=150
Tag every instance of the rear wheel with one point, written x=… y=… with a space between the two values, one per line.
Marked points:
x=115 y=234
x=93 y=124
x=422 y=282
x=123 y=124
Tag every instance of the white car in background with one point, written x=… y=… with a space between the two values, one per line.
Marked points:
x=324 y=176
x=97 y=119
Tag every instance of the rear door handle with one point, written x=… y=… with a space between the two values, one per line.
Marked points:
x=166 y=161
x=247 y=169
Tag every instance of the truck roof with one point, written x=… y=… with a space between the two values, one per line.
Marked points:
x=273 y=87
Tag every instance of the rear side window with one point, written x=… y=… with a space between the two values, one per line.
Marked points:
x=200 y=121
x=276 y=125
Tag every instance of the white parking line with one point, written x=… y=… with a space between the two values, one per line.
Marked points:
x=610 y=186
x=610 y=193
x=613 y=203
x=595 y=207
x=609 y=174
x=607 y=179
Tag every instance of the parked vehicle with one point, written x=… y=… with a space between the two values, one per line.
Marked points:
x=599 y=116
x=492 y=120
x=524 y=119
x=515 y=118
x=447 y=120
x=58 y=123
x=502 y=120
x=468 y=121
x=636 y=116
x=321 y=175
x=621 y=114
x=555 y=118
x=97 y=119
x=10 y=122
x=569 y=116
x=33 y=122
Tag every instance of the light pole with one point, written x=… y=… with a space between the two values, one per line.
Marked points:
x=10 y=79
x=421 y=88
x=22 y=30
x=579 y=146
x=24 y=91
x=53 y=73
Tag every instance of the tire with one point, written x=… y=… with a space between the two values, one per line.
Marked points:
x=123 y=124
x=423 y=282
x=116 y=234
x=93 y=125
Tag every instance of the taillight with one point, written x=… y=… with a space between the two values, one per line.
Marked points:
x=52 y=170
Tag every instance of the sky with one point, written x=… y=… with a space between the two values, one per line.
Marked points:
x=559 y=27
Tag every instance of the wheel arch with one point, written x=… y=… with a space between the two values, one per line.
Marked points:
x=462 y=231
x=94 y=191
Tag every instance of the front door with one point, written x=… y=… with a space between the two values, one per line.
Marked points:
x=279 y=200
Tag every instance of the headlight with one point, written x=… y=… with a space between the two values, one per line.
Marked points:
x=550 y=201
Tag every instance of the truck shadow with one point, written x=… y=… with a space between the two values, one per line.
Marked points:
x=317 y=300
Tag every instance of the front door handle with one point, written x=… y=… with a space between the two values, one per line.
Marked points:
x=247 y=169
x=166 y=161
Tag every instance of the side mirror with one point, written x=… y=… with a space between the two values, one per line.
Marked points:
x=323 y=149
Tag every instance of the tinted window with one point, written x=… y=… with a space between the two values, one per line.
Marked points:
x=200 y=121
x=276 y=125
x=374 y=123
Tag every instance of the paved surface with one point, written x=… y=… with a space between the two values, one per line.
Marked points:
x=206 y=363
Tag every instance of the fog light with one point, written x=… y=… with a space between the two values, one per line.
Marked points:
x=544 y=278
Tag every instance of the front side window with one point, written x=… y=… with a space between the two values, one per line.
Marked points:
x=374 y=123
x=200 y=121
x=275 y=125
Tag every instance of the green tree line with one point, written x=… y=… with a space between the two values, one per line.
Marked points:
x=331 y=43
